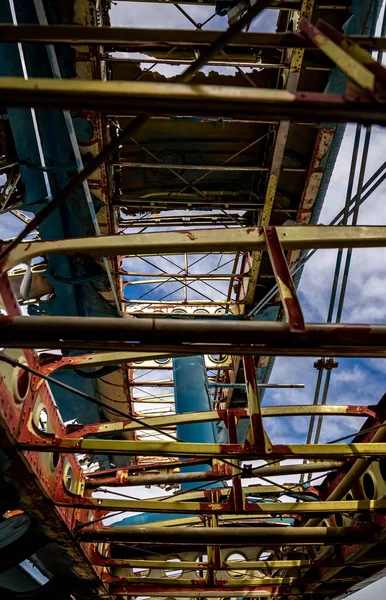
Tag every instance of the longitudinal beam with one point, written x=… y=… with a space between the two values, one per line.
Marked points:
x=150 y=98
x=341 y=341
x=273 y=536
x=202 y=240
x=203 y=591
x=231 y=564
x=268 y=509
x=151 y=448
x=122 y=477
x=147 y=39
x=215 y=415
x=191 y=337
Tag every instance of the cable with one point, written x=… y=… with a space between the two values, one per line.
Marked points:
x=337 y=220
x=68 y=388
x=361 y=432
x=16 y=363
x=114 y=514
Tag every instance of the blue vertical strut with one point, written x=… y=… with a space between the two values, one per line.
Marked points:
x=192 y=395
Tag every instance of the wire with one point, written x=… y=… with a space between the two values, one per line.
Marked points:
x=117 y=494
x=114 y=514
x=224 y=478
x=361 y=432
x=16 y=363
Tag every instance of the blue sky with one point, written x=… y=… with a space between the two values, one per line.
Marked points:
x=356 y=381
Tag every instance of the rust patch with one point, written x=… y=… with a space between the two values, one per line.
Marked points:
x=282 y=449
x=362 y=410
x=258 y=230
x=6 y=319
x=231 y=448
x=189 y=234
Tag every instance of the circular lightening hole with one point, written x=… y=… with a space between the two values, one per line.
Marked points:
x=42 y=423
x=141 y=571
x=174 y=572
x=382 y=468
x=237 y=557
x=339 y=520
x=368 y=486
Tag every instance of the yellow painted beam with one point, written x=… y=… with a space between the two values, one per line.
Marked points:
x=202 y=240
x=229 y=566
x=153 y=448
x=261 y=508
x=213 y=415
x=278 y=154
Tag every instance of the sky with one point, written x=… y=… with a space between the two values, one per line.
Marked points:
x=355 y=381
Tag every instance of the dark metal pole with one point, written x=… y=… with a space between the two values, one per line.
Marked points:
x=121 y=478
x=38 y=331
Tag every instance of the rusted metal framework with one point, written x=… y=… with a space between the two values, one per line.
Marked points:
x=197 y=267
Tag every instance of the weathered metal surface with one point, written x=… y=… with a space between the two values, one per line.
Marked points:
x=284 y=281
x=274 y=536
x=74 y=446
x=33 y=473
x=167 y=99
x=273 y=338
x=146 y=39
x=48 y=459
x=250 y=238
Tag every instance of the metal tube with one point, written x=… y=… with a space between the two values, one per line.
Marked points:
x=33 y=330
x=180 y=478
x=285 y=349
x=121 y=477
x=242 y=386
x=167 y=278
x=273 y=536
x=323 y=403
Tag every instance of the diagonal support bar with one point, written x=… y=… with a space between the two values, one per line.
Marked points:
x=256 y=435
x=350 y=58
x=284 y=281
x=355 y=51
